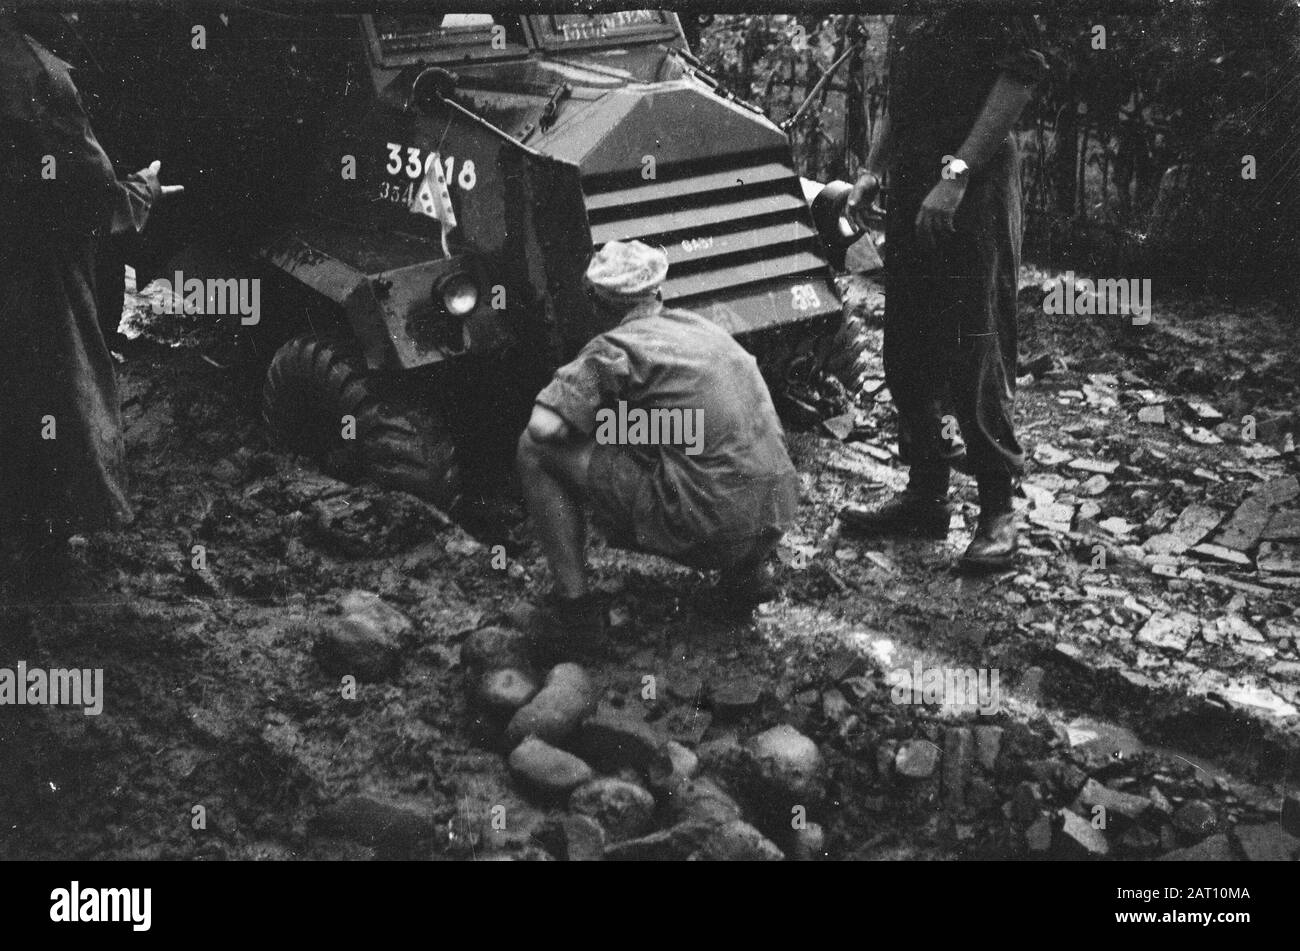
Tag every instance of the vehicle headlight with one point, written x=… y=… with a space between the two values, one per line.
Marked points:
x=459 y=295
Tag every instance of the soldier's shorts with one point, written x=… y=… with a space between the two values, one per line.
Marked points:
x=620 y=490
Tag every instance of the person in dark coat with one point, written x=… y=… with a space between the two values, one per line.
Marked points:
x=62 y=465
x=959 y=81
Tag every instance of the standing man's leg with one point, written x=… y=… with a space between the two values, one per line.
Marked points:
x=984 y=384
x=919 y=347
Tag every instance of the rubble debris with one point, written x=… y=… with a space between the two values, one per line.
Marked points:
x=557 y=709
x=506 y=690
x=623 y=809
x=546 y=770
x=573 y=838
x=916 y=759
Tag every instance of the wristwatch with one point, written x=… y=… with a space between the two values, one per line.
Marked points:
x=956 y=170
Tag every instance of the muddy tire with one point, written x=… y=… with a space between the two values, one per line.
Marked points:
x=312 y=384
x=844 y=353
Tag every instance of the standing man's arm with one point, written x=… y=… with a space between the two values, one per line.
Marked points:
x=1006 y=101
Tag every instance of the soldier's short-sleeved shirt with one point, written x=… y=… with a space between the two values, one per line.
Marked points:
x=941 y=69
x=740 y=486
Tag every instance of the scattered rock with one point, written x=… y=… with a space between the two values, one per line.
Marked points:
x=624 y=810
x=573 y=838
x=612 y=741
x=736 y=698
x=808 y=844
x=1113 y=801
x=492 y=648
x=1266 y=843
x=1038 y=837
x=1080 y=831
x=789 y=762
x=737 y=842
x=358 y=645
x=988 y=743
x=1169 y=632
x=1140 y=841
x=1214 y=849
x=685 y=764
x=546 y=770
x=673 y=844
x=393 y=827
x=917 y=759
x=1196 y=819
x=505 y=691
x=701 y=801
x=558 y=708
x=373 y=608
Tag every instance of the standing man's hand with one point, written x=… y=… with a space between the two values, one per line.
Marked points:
x=936 y=219
x=858 y=207
x=150 y=174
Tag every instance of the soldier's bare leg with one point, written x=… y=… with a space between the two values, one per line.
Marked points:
x=554 y=476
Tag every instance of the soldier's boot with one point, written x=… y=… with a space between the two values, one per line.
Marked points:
x=920 y=510
x=995 y=543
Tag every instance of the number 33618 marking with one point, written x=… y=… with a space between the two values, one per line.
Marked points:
x=417 y=164
x=804 y=297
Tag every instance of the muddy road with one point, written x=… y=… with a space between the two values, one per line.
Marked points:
x=1147 y=646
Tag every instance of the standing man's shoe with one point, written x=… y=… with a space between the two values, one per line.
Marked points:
x=907 y=513
x=995 y=544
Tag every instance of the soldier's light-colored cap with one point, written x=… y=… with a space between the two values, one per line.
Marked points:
x=626 y=272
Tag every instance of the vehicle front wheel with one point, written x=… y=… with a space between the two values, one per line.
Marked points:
x=320 y=400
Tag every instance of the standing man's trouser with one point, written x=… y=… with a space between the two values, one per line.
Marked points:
x=950 y=320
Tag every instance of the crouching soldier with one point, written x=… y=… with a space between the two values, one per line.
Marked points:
x=663 y=427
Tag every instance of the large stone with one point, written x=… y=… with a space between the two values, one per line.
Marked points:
x=1169 y=632
x=736 y=698
x=624 y=810
x=808 y=844
x=573 y=838
x=567 y=698
x=492 y=648
x=391 y=826
x=505 y=691
x=789 y=762
x=1266 y=843
x=611 y=741
x=373 y=608
x=1083 y=834
x=547 y=771
x=737 y=842
x=1214 y=849
x=685 y=763
x=1196 y=819
x=1038 y=837
x=701 y=801
x=673 y=844
x=916 y=759
x=1113 y=801
x=359 y=646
